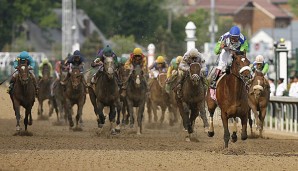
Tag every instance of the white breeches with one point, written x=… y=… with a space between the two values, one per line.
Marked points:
x=223 y=59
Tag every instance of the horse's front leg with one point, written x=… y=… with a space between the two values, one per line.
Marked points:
x=68 y=111
x=201 y=107
x=130 y=112
x=79 y=114
x=112 y=116
x=100 y=116
x=244 y=126
x=163 y=111
x=140 y=117
x=16 y=107
x=262 y=118
x=40 y=107
x=226 y=128
x=27 y=113
x=118 y=110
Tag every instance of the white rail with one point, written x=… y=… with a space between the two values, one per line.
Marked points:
x=282 y=114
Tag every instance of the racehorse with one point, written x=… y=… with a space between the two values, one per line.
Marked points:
x=74 y=94
x=232 y=97
x=173 y=110
x=123 y=75
x=258 y=98
x=23 y=94
x=44 y=89
x=106 y=93
x=192 y=101
x=158 y=96
x=136 y=96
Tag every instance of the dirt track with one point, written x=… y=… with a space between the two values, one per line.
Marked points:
x=159 y=148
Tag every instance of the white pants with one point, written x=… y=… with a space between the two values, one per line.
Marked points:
x=223 y=59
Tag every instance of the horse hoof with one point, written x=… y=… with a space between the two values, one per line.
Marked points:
x=30 y=122
x=234 y=137
x=113 y=132
x=243 y=137
x=210 y=134
x=187 y=139
x=18 y=128
x=71 y=124
x=131 y=126
x=100 y=125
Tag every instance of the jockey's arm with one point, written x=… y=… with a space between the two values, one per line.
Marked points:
x=127 y=64
x=217 y=48
x=183 y=66
x=244 y=46
x=151 y=66
x=40 y=67
x=169 y=73
x=265 y=68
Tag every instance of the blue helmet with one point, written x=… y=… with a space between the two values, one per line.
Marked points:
x=234 y=31
x=23 y=54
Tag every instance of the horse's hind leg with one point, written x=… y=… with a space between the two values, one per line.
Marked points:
x=93 y=100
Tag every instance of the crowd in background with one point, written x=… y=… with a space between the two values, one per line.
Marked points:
x=291 y=89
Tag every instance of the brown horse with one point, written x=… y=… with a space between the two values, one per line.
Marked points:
x=74 y=94
x=258 y=98
x=232 y=97
x=192 y=101
x=158 y=97
x=44 y=89
x=23 y=94
x=123 y=75
x=136 y=96
x=106 y=93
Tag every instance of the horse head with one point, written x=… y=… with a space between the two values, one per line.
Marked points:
x=258 y=84
x=109 y=67
x=23 y=71
x=162 y=77
x=46 y=72
x=240 y=66
x=194 y=72
x=75 y=77
x=137 y=76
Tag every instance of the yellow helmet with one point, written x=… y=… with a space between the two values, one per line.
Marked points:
x=160 y=59
x=179 y=59
x=137 y=51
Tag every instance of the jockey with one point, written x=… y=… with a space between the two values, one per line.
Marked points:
x=193 y=55
x=76 y=60
x=159 y=64
x=260 y=65
x=45 y=61
x=232 y=40
x=23 y=56
x=99 y=61
x=136 y=58
x=173 y=68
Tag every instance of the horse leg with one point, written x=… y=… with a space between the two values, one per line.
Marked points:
x=163 y=111
x=154 y=108
x=140 y=117
x=203 y=116
x=184 y=116
x=262 y=118
x=250 y=123
x=234 y=135
x=226 y=128
x=68 y=111
x=193 y=116
x=211 y=105
x=100 y=116
x=130 y=112
x=244 y=126
x=39 y=110
x=93 y=100
x=112 y=116
x=118 y=107
x=27 y=112
x=16 y=107
x=149 y=110
x=79 y=114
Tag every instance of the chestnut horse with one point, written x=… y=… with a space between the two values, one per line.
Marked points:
x=232 y=97
x=23 y=94
x=258 y=98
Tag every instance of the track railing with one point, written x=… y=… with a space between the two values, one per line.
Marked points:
x=282 y=114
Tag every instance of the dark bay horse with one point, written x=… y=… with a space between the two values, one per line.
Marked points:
x=74 y=94
x=123 y=75
x=192 y=101
x=136 y=96
x=23 y=94
x=158 y=97
x=232 y=97
x=106 y=93
x=44 y=89
x=258 y=98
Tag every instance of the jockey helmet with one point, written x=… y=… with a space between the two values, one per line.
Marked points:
x=23 y=54
x=160 y=59
x=259 y=59
x=234 y=34
x=193 y=53
x=123 y=60
x=179 y=59
x=45 y=60
x=107 y=51
x=137 y=51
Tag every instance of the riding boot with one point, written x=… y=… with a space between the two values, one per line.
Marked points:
x=11 y=84
x=215 y=78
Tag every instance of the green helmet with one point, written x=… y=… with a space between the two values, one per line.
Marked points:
x=107 y=51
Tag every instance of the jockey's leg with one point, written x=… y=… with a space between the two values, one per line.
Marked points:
x=223 y=60
x=12 y=82
x=34 y=81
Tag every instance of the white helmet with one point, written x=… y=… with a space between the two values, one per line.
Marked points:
x=259 y=59
x=193 y=52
